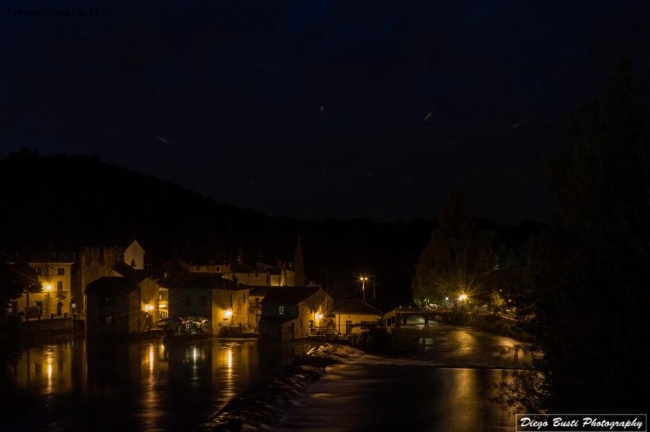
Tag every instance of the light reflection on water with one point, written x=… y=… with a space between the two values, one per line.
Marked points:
x=79 y=385
x=389 y=398
x=146 y=386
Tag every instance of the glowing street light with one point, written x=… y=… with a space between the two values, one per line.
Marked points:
x=363 y=280
x=227 y=313
x=462 y=297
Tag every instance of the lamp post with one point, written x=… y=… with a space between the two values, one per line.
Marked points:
x=27 y=307
x=48 y=288
x=363 y=286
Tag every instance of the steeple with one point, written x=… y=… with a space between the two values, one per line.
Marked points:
x=299 y=265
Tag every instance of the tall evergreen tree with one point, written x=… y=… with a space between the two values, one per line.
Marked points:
x=456 y=260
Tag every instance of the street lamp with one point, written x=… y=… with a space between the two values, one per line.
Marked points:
x=48 y=288
x=363 y=280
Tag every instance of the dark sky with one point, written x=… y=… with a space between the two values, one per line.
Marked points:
x=316 y=108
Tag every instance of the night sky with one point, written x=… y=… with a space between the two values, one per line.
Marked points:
x=316 y=108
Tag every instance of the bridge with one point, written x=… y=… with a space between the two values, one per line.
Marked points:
x=446 y=315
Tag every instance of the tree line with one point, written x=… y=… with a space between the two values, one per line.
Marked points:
x=582 y=282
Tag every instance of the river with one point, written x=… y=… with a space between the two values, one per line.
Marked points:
x=78 y=385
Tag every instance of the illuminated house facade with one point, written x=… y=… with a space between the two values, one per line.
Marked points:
x=293 y=313
x=352 y=316
x=54 y=271
x=208 y=295
x=125 y=303
x=242 y=289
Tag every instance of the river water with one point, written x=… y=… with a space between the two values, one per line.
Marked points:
x=78 y=385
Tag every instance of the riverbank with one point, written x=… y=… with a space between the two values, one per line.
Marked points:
x=279 y=400
x=498 y=324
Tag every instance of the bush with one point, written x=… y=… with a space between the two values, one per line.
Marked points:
x=375 y=341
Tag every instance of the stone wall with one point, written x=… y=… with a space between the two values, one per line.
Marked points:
x=93 y=263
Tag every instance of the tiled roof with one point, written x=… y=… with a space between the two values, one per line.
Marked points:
x=176 y=265
x=357 y=307
x=201 y=281
x=260 y=291
x=110 y=286
x=289 y=295
x=135 y=276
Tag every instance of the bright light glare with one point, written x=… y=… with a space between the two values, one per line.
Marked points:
x=462 y=297
x=227 y=314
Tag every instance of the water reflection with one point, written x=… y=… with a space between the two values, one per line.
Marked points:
x=47 y=369
x=79 y=385
x=90 y=385
x=391 y=398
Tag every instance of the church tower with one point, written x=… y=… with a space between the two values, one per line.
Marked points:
x=299 y=265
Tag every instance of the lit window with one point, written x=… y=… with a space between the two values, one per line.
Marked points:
x=281 y=310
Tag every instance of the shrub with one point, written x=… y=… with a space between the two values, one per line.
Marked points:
x=375 y=340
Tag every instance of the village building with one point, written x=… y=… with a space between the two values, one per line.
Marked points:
x=208 y=295
x=122 y=304
x=353 y=316
x=293 y=313
x=54 y=271
x=98 y=261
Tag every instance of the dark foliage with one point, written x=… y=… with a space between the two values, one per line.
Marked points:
x=15 y=278
x=589 y=274
x=457 y=259
x=374 y=341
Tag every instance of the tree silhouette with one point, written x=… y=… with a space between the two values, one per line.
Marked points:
x=16 y=276
x=457 y=258
x=589 y=272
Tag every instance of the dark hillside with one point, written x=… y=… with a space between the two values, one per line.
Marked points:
x=64 y=202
